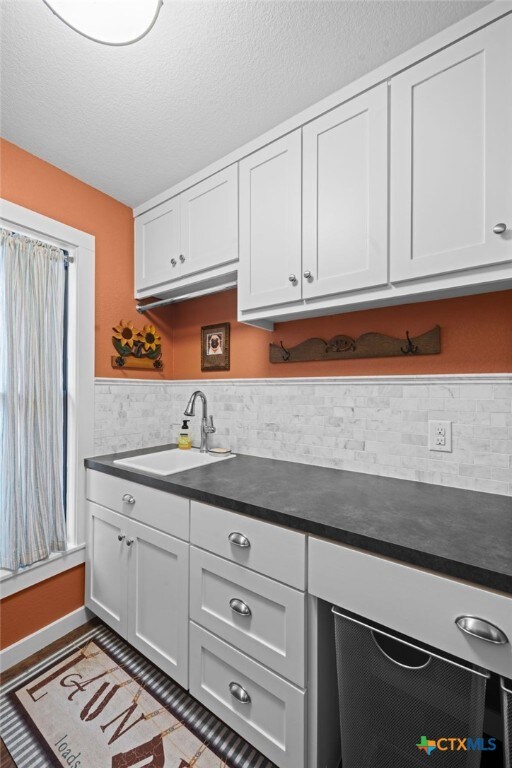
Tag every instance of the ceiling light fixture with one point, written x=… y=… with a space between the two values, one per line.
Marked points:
x=111 y=22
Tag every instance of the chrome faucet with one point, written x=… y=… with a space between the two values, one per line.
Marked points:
x=207 y=427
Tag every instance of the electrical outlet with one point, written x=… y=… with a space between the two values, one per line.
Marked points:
x=440 y=436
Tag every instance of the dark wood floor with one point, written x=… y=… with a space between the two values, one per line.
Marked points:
x=6 y=760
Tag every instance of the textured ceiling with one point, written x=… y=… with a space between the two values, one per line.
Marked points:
x=209 y=77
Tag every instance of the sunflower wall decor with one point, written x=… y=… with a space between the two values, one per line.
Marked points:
x=136 y=349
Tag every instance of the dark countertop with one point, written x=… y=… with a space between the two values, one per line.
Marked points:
x=465 y=534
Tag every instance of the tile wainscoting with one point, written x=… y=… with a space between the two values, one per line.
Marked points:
x=376 y=425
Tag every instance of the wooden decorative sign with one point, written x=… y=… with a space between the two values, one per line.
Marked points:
x=367 y=345
x=136 y=349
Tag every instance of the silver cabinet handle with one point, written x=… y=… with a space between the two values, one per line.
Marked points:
x=129 y=542
x=239 y=539
x=173 y=262
x=121 y=536
x=308 y=274
x=481 y=629
x=239 y=693
x=128 y=498
x=499 y=229
x=292 y=278
x=238 y=606
x=182 y=258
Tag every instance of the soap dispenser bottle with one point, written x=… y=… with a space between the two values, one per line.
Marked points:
x=184 y=440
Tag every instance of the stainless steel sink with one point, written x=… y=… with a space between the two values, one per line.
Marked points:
x=169 y=462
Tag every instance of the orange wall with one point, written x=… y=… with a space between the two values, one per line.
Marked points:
x=35 y=607
x=476 y=337
x=35 y=184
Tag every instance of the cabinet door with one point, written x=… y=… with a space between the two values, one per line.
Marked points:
x=157 y=245
x=106 y=593
x=345 y=197
x=270 y=225
x=451 y=162
x=209 y=222
x=258 y=704
x=158 y=599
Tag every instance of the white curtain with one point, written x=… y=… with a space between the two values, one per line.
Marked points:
x=32 y=297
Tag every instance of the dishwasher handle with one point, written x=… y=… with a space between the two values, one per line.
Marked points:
x=481 y=629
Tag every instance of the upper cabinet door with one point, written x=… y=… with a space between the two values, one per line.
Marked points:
x=270 y=225
x=451 y=170
x=345 y=197
x=157 y=245
x=209 y=222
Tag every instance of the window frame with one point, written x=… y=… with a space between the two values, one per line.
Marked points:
x=80 y=429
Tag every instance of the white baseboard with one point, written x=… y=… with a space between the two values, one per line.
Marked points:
x=25 y=647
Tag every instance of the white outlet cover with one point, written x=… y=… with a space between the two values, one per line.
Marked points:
x=440 y=436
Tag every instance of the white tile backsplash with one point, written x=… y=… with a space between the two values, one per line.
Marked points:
x=373 y=425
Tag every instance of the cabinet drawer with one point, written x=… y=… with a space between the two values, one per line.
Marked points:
x=161 y=510
x=274 y=551
x=274 y=630
x=273 y=720
x=417 y=603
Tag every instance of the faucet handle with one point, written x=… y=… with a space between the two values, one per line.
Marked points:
x=209 y=427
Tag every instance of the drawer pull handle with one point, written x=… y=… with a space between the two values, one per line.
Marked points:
x=121 y=536
x=482 y=629
x=239 y=693
x=128 y=498
x=238 y=606
x=239 y=539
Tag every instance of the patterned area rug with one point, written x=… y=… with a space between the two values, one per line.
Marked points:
x=98 y=703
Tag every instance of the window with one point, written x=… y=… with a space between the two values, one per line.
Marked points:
x=72 y=306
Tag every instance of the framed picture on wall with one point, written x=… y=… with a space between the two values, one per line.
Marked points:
x=215 y=347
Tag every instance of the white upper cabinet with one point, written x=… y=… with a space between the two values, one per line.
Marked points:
x=345 y=200
x=451 y=170
x=397 y=188
x=157 y=245
x=270 y=225
x=195 y=233
x=209 y=222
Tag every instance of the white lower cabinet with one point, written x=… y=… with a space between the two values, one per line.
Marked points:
x=248 y=628
x=137 y=583
x=106 y=567
x=414 y=602
x=257 y=615
x=157 y=614
x=262 y=707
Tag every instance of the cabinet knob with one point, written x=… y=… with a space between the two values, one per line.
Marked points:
x=121 y=536
x=481 y=629
x=239 y=693
x=182 y=258
x=308 y=274
x=499 y=229
x=239 y=539
x=173 y=262
x=292 y=278
x=238 y=606
x=128 y=498
x=129 y=542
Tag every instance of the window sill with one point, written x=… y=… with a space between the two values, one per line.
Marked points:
x=14 y=581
